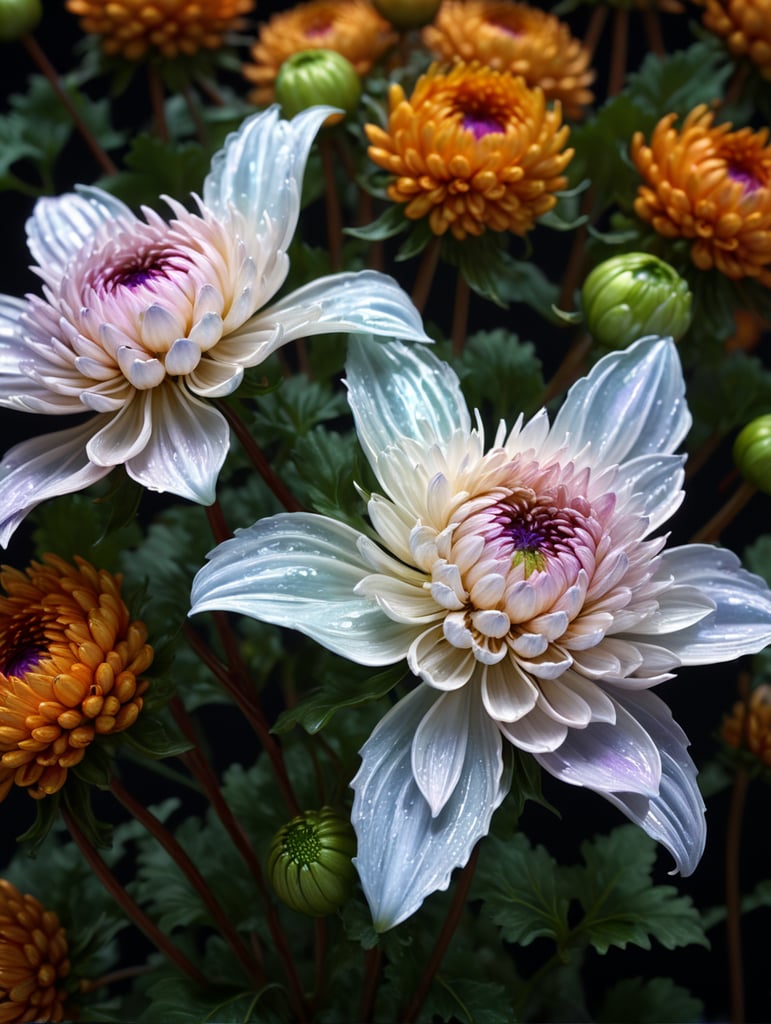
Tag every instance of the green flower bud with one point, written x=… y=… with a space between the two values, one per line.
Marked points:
x=309 y=862
x=632 y=295
x=405 y=14
x=17 y=17
x=317 y=77
x=752 y=453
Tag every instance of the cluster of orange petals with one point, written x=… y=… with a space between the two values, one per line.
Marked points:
x=745 y=25
x=69 y=662
x=751 y=732
x=708 y=183
x=517 y=38
x=131 y=28
x=33 y=959
x=472 y=149
x=352 y=28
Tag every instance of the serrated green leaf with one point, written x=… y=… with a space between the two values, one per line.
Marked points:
x=466 y=1000
x=315 y=710
x=175 y=1000
x=726 y=400
x=156 y=737
x=294 y=408
x=501 y=375
x=649 y=1001
x=327 y=462
x=155 y=168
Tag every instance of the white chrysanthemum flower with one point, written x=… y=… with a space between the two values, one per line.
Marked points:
x=523 y=588
x=143 y=319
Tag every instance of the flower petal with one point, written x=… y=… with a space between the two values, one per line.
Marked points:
x=404 y=853
x=299 y=570
x=399 y=391
x=657 y=480
x=45 y=467
x=439 y=748
x=675 y=816
x=186 y=448
x=632 y=403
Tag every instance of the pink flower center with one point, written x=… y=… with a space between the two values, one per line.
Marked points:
x=481 y=124
x=319 y=28
x=141 y=268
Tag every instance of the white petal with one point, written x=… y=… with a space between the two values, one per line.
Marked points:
x=17 y=390
x=300 y=571
x=535 y=732
x=631 y=403
x=398 y=390
x=186 y=448
x=260 y=169
x=741 y=620
x=439 y=662
x=405 y=854
x=439 y=747
x=675 y=816
x=61 y=225
x=182 y=358
x=658 y=480
x=607 y=757
x=45 y=467
x=124 y=434
x=507 y=693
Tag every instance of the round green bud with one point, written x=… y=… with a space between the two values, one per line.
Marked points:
x=752 y=453
x=17 y=17
x=633 y=295
x=309 y=862
x=314 y=77
x=406 y=14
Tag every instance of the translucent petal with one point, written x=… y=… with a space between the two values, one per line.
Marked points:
x=439 y=747
x=17 y=390
x=300 y=570
x=631 y=403
x=124 y=434
x=507 y=692
x=658 y=480
x=405 y=854
x=535 y=732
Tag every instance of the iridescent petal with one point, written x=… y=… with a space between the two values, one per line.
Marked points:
x=439 y=747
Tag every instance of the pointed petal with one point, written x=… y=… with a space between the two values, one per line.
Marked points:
x=45 y=467
x=186 y=448
x=300 y=570
x=607 y=757
x=658 y=480
x=439 y=748
x=260 y=169
x=405 y=854
x=741 y=620
x=631 y=403
x=675 y=817
x=398 y=390
x=61 y=225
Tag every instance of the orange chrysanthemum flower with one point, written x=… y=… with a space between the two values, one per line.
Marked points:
x=33 y=959
x=517 y=38
x=712 y=185
x=745 y=25
x=69 y=662
x=472 y=149
x=751 y=733
x=352 y=28
x=170 y=27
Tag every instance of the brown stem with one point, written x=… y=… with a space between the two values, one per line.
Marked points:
x=261 y=464
x=132 y=910
x=618 y=51
x=724 y=516
x=180 y=857
x=195 y=113
x=594 y=30
x=460 y=314
x=462 y=887
x=574 y=268
x=570 y=368
x=219 y=528
x=733 y=895
x=372 y=965
x=35 y=51
x=320 y=930
x=331 y=203
x=123 y=974
x=425 y=276
x=653 y=34
x=155 y=89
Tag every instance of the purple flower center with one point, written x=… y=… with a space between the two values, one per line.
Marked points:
x=745 y=178
x=19 y=662
x=525 y=537
x=481 y=124
x=139 y=269
x=320 y=28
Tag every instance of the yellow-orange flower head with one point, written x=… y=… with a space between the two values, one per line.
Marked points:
x=745 y=25
x=69 y=662
x=352 y=28
x=517 y=38
x=751 y=732
x=710 y=184
x=472 y=149
x=131 y=28
x=33 y=959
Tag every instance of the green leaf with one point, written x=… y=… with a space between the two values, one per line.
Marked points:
x=466 y=1001
x=175 y=1000
x=76 y=796
x=391 y=222
x=156 y=737
x=316 y=709
x=726 y=400
x=649 y=1001
x=295 y=407
x=522 y=890
x=501 y=375
x=46 y=813
x=621 y=905
x=327 y=463
x=156 y=168
x=681 y=80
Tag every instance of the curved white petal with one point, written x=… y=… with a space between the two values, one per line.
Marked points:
x=439 y=747
x=675 y=817
x=607 y=757
x=356 y=301
x=657 y=481
x=61 y=225
x=404 y=854
x=45 y=467
x=300 y=570
x=740 y=621
x=259 y=171
x=17 y=390
x=398 y=391
x=186 y=447
x=631 y=403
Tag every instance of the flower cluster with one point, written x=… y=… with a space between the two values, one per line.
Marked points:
x=748 y=726
x=71 y=662
x=745 y=26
